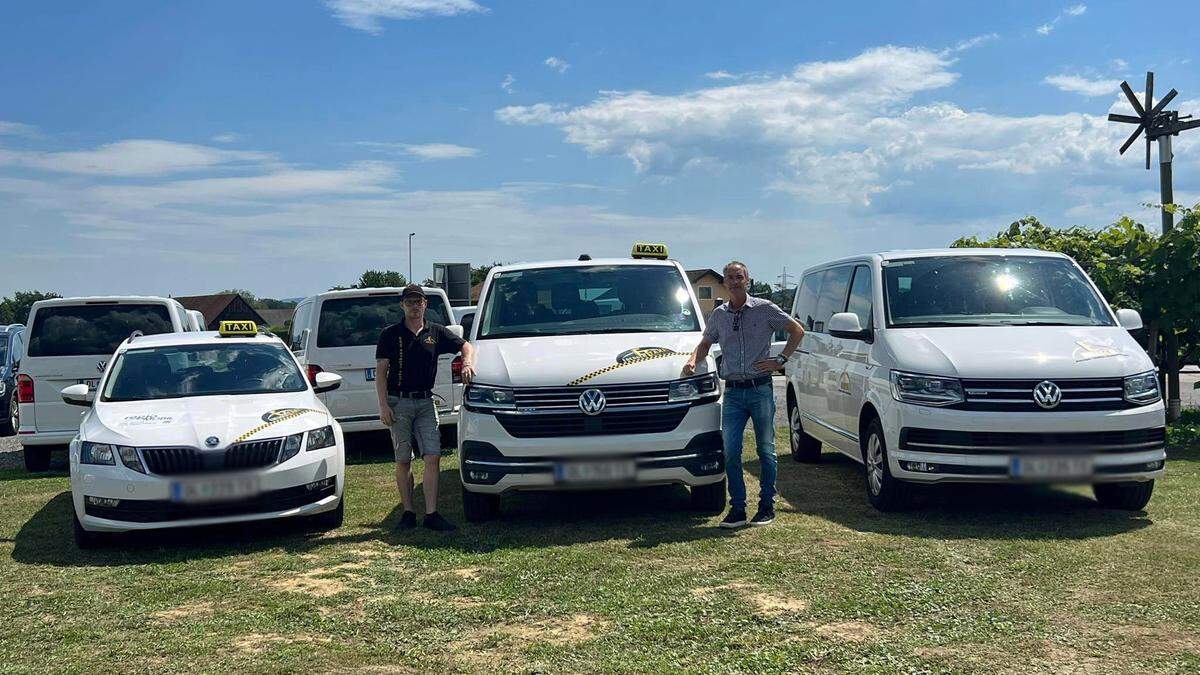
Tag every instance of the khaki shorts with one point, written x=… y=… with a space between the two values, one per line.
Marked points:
x=415 y=417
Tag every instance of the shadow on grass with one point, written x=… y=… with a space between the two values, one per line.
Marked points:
x=835 y=489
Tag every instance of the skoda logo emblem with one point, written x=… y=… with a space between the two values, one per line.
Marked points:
x=212 y=441
x=1047 y=394
x=592 y=402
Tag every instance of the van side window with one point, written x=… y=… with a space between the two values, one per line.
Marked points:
x=860 y=296
x=299 y=323
x=806 y=299
x=832 y=300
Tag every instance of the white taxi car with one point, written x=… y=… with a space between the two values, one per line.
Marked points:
x=202 y=428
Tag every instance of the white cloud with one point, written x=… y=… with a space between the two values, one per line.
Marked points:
x=135 y=157
x=227 y=137
x=1082 y=85
x=1120 y=64
x=16 y=129
x=423 y=150
x=365 y=15
x=1071 y=11
x=555 y=63
x=720 y=75
x=507 y=83
x=972 y=42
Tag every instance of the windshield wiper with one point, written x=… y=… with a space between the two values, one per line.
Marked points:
x=1044 y=323
x=936 y=324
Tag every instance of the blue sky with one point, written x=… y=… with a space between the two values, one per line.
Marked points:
x=283 y=147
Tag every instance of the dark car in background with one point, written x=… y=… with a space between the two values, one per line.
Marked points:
x=11 y=348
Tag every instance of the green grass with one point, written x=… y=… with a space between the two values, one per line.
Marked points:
x=973 y=580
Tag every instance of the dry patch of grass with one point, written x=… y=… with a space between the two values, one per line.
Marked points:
x=261 y=643
x=185 y=612
x=848 y=631
x=323 y=581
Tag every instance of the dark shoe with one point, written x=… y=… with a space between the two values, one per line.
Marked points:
x=736 y=518
x=765 y=516
x=408 y=520
x=435 y=521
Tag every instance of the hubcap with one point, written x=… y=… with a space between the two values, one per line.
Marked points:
x=875 y=464
x=794 y=418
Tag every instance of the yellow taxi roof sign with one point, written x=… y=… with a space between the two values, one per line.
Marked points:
x=645 y=250
x=238 y=328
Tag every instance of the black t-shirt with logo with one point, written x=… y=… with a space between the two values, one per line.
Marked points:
x=412 y=359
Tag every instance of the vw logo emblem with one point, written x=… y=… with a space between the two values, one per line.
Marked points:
x=1047 y=394
x=592 y=402
x=212 y=441
x=101 y=366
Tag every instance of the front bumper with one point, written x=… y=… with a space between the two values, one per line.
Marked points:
x=493 y=461
x=145 y=500
x=933 y=445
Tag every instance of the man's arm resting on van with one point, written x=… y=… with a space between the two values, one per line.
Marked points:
x=795 y=334
x=697 y=356
x=468 y=357
x=381 y=376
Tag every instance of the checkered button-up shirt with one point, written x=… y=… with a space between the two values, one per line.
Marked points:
x=744 y=335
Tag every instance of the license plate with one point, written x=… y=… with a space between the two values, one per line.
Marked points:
x=370 y=374
x=91 y=383
x=613 y=471
x=224 y=489
x=1051 y=468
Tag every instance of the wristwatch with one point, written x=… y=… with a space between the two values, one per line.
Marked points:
x=781 y=359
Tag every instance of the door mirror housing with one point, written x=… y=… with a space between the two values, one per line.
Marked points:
x=455 y=330
x=78 y=394
x=1129 y=319
x=326 y=381
x=468 y=321
x=846 y=325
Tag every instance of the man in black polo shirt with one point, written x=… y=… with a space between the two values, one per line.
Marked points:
x=406 y=365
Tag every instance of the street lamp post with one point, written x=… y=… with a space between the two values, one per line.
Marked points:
x=410 y=276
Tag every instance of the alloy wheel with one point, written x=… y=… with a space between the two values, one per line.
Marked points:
x=875 y=463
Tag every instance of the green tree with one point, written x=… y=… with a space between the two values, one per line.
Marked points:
x=478 y=274
x=376 y=279
x=16 y=308
x=761 y=289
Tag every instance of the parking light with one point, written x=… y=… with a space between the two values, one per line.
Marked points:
x=693 y=388
x=926 y=389
x=129 y=457
x=24 y=388
x=97 y=453
x=1142 y=389
x=291 y=446
x=482 y=396
x=320 y=438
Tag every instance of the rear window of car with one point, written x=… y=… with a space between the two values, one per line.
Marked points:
x=89 y=330
x=355 y=322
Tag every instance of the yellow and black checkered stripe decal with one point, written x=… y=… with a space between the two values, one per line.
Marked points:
x=282 y=417
x=647 y=355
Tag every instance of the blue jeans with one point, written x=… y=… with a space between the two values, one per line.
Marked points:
x=757 y=404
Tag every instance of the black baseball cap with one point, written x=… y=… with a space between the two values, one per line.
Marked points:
x=412 y=289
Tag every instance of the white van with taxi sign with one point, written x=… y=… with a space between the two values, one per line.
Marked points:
x=203 y=428
x=71 y=341
x=577 y=383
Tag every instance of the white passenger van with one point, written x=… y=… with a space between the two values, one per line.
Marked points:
x=337 y=331
x=70 y=341
x=577 y=383
x=196 y=320
x=974 y=365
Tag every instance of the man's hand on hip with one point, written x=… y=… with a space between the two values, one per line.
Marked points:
x=767 y=365
x=386 y=416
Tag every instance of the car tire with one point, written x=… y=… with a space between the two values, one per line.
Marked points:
x=1126 y=496
x=448 y=434
x=13 y=424
x=709 y=498
x=884 y=491
x=331 y=520
x=86 y=540
x=805 y=448
x=37 y=458
x=479 y=507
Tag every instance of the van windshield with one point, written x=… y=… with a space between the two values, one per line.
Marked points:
x=202 y=370
x=591 y=299
x=990 y=290
x=355 y=322
x=96 y=329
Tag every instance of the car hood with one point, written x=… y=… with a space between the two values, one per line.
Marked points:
x=1017 y=352
x=191 y=421
x=597 y=359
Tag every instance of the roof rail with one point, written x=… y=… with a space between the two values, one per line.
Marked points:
x=135 y=334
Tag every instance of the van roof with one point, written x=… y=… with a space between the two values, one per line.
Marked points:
x=902 y=254
x=363 y=292
x=84 y=300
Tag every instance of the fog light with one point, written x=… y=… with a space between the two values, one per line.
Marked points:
x=102 y=501
x=1155 y=465
x=922 y=467
x=321 y=484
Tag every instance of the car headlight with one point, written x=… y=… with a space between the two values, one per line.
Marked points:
x=291 y=446
x=129 y=457
x=693 y=388
x=97 y=453
x=926 y=389
x=482 y=396
x=1142 y=389
x=320 y=438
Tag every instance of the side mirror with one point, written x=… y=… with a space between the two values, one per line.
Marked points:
x=78 y=394
x=846 y=325
x=457 y=331
x=326 y=381
x=1129 y=319
x=468 y=321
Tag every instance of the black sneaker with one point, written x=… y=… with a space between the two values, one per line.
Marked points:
x=408 y=520
x=435 y=521
x=736 y=518
x=765 y=515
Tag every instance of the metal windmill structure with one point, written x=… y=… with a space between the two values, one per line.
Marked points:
x=1160 y=124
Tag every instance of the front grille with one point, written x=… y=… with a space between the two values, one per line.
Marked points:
x=179 y=461
x=253 y=455
x=1004 y=442
x=1017 y=395
x=653 y=421
x=173 y=461
x=159 y=511
x=616 y=395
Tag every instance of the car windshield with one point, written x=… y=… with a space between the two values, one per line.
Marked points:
x=202 y=370
x=989 y=291
x=588 y=299
x=354 y=322
x=93 y=329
